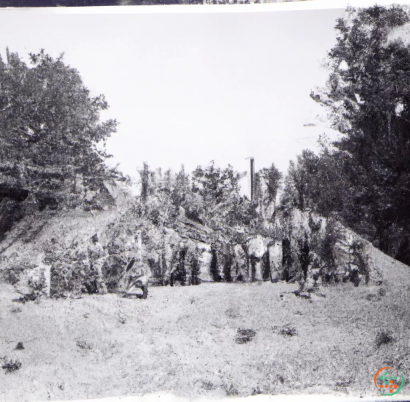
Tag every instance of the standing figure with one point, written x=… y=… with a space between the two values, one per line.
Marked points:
x=185 y=264
x=138 y=274
x=96 y=259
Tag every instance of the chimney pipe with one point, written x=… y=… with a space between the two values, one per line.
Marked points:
x=252 y=179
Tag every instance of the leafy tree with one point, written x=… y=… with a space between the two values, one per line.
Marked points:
x=216 y=185
x=210 y=196
x=50 y=124
x=268 y=182
x=219 y=190
x=273 y=178
x=368 y=95
x=301 y=183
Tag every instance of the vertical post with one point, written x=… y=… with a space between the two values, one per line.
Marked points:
x=252 y=179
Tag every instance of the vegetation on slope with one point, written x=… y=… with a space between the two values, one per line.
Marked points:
x=363 y=178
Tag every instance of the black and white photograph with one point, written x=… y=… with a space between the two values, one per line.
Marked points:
x=205 y=201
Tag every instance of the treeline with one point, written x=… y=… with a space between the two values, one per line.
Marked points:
x=209 y=195
x=51 y=145
x=52 y=155
x=363 y=178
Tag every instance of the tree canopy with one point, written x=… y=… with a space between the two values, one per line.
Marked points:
x=48 y=120
x=364 y=176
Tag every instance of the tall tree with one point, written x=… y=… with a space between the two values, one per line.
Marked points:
x=368 y=95
x=48 y=120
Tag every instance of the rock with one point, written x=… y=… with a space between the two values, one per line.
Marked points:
x=275 y=277
x=275 y=260
x=204 y=262
x=256 y=250
x=171 y=241
x=34 y=279
x=240 y=265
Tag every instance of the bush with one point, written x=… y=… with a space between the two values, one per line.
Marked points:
x=244 y=335
x=10 y=366
x=384 y=338
x=288 y=330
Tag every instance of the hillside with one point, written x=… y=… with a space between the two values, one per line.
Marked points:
x=181 y=341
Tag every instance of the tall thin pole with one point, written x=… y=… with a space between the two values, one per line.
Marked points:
x=252 y=179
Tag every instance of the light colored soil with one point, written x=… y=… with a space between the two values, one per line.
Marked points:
x=182 y=340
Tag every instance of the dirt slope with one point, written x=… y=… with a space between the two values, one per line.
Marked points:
x=182 y=340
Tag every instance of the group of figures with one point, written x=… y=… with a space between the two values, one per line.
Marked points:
x=125 y=264
x=181 y=257
x=130 y=257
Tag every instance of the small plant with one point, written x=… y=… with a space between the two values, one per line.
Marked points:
x=122 y=320
x=384 y=338
x=208 y=385
x=257 y=391
x=231 y=391
x=288 y=330
x=371 y=297
x=244 y=335
x=10 y=366
x=232 y=313
x=20 y=346
x=344 y=383
x=83 y=345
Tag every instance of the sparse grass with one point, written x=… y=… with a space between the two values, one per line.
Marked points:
x=231 y=390
x=170 y=344
x=384 y=338
x=84 y=345
x=232 y=313
x=244 y=335
x=288 y=330
x=10 y=365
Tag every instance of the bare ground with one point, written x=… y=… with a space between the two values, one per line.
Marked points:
x=182 y=340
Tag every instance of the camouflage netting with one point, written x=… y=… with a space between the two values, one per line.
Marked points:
x=52 y=252
x=320 y=251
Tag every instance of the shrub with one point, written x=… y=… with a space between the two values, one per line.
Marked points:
x=384 y=338
x=244 y=335
x=84 y=345
x=10 y=366
x=288 y=330
x=20 y=346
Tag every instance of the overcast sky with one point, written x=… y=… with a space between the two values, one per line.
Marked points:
x=191 y=88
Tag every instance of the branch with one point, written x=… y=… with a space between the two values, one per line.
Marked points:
x=6 y=108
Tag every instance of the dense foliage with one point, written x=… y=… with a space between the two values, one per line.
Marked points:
x=51 y=136
x=364 y=177
x=209 y=195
